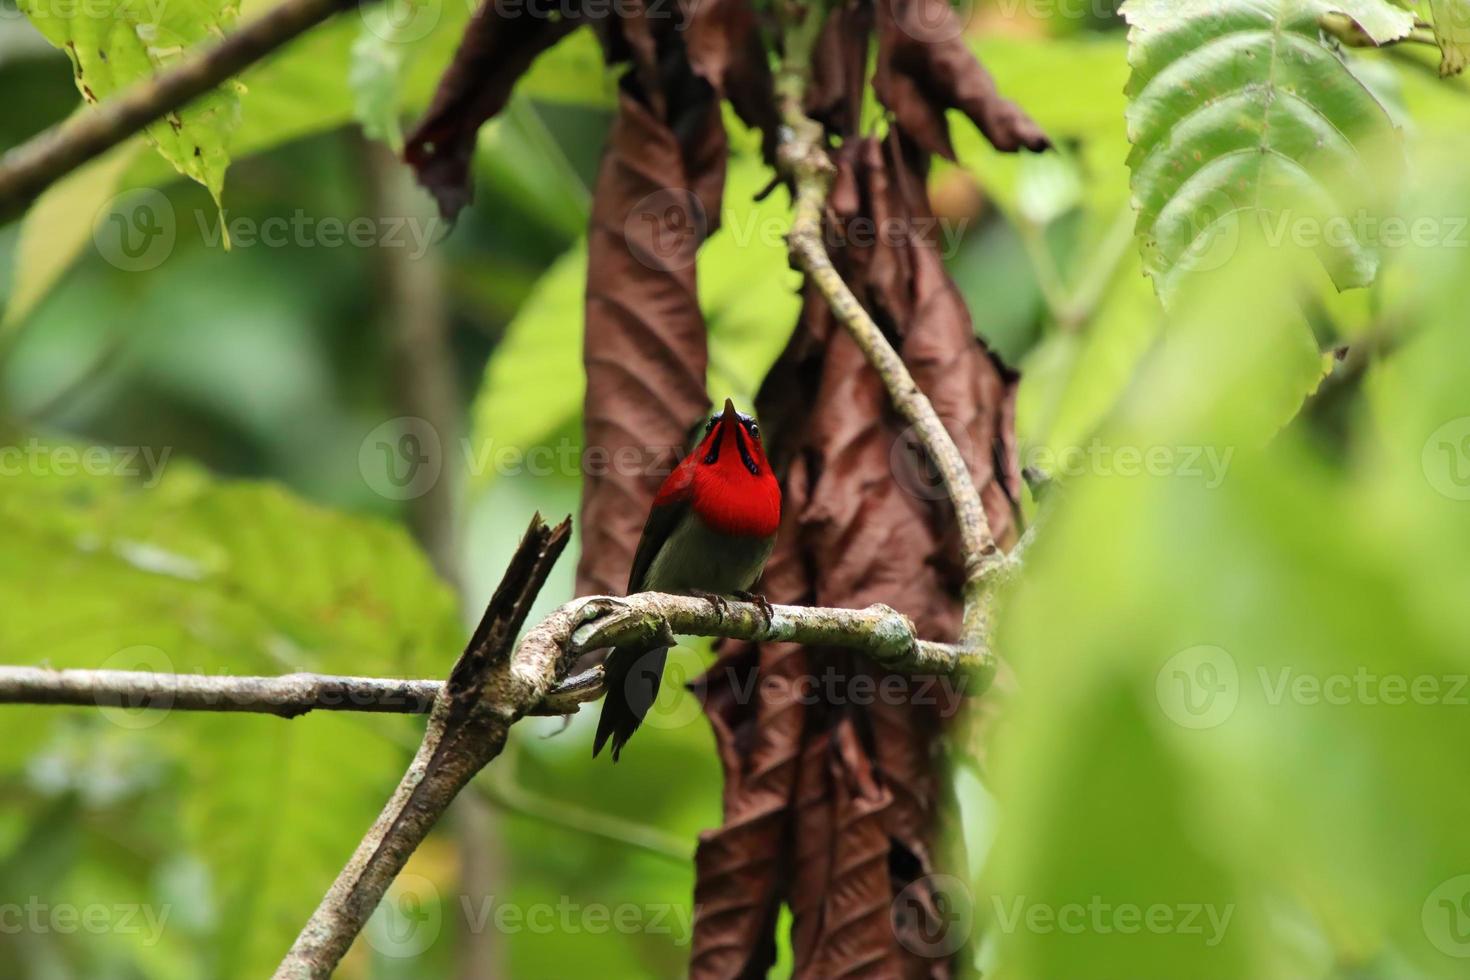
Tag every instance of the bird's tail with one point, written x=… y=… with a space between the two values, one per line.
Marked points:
x=632 y=681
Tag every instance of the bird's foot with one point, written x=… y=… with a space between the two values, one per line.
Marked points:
x=718 y=602
x=767 y=613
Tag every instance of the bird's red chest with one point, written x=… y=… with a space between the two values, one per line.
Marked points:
x=734 y=501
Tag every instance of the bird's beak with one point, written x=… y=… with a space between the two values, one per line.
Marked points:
x=729 y=408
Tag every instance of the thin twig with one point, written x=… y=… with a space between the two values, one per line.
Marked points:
x=287 y=696
x=802 y=157
x=591 y=623
x=488 y=690
x=501 y=787
x=36 y=164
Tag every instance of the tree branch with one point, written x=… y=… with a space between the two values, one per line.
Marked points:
x=488 y=690
x=36 y=164
x=287 y=696
x=591 y=623
x=802 y=159
x=494 y=683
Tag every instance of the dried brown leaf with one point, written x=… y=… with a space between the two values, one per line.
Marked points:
x=872 y=524
x=925 y=68
x=493 y=54
x=645 y=350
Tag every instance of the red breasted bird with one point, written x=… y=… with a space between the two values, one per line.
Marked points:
x=710 y=531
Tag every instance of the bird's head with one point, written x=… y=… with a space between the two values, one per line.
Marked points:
x=731 y=446
x=727 y=478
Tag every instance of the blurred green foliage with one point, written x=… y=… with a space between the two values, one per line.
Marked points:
x=1323 y=836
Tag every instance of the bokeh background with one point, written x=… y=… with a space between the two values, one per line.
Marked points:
x=289 y=525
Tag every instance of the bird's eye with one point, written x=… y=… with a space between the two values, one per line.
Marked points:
x=754 y=430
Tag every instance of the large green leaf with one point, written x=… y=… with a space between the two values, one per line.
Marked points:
x=114 y=43
x=1250 y=718
x=1244 y=124
x=172 y=571
x=58 y=226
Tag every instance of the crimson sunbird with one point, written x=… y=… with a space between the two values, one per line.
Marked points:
x=709 y=533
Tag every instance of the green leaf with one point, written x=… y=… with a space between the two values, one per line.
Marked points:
x=173 y=571
x=1045 y=75
x=1452 y=31
x=1380 y=20
x=1074 y=378
x=58 y=227
x=1230 y=698
x=534 y=381
x=379 y=57
x=115 y=43
x=747 y=288
x=1243 y=123
x=256 y=580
